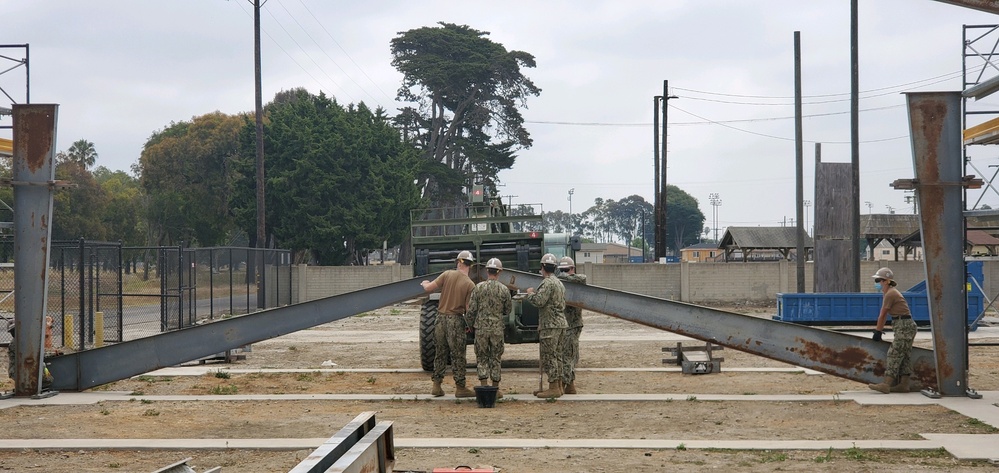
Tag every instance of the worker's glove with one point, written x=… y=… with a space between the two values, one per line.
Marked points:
x=877 y=335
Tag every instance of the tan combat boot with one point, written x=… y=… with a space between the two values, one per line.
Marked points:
x=884 y=387
x=437 y=391
x=570 y=388
x=902 y=386
x=461 y=391
x=554 y=390
x=499 y=395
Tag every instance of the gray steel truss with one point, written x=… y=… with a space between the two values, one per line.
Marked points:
x=99 y=366
x=847 y=356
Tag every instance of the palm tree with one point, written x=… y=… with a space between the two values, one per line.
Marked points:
x=83 y=153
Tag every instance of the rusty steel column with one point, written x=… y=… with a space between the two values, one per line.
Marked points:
x=33 y=179
x=935 y=129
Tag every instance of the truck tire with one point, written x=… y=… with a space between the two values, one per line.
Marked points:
x=428 y=320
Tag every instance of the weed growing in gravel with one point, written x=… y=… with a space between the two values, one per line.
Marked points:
x=855 y=453
x=473 y=450
x=222 y=374
x=304 y=377
x=151 y=413
x=225 y=390
x=692 y=398
x=771 y=456
x=293 y=348
x=979 y=424
x=551 y=399
x=681 y=447
x=371 y=380
x=824 y=458
x=105 y=411
x=146 y=401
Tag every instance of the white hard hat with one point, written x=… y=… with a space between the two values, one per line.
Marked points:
x=884 y=273
x=494 y=263
x=549 y=258
x=566 y=262
x=466 y=255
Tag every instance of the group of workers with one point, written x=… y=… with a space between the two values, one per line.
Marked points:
x=482 y=309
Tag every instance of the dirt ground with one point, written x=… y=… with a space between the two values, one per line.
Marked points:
x=386 y=339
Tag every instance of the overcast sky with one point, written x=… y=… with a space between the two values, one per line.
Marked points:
x=121 y=70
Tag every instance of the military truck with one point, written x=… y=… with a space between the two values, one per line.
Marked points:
x=488 y=229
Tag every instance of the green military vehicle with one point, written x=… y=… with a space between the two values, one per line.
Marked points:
x=488 y=229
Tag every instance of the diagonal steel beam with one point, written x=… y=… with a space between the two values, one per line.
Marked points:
x=86 y=369
x=989 y=6
x=847 y=356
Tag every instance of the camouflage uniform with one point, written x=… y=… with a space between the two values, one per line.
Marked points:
x=487 y=309
x=449 y=330
x=12 y=364
x=899 y=361
x=570 y=342
x=550 y=301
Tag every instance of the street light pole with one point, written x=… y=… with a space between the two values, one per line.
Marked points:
x=807 y=204
x=715 y=203
x=571 y=191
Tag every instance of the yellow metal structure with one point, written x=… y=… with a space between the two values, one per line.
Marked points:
x=6 y=147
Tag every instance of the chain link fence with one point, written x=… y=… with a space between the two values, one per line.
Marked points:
x=101 y=293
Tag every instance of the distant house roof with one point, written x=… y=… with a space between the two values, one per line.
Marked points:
x=592 y=246
x=763 y=238
x=748 y=239
x=891 y=226
x=980 y=237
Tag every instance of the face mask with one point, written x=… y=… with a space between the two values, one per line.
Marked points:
x=877 y=286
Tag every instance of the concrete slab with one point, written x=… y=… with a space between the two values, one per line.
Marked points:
x=962 y=446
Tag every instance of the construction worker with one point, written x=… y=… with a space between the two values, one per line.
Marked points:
x=899 y=363
x=549 y=298
x=47 y=378
x=574 y=319
x=487 y=310
x=449 y=330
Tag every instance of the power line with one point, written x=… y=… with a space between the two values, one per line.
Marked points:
x=705 y=122
x=337 y=43
x=345 y=73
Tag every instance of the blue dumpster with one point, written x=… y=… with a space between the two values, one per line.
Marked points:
x=850 y=308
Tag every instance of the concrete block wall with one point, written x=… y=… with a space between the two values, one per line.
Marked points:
x=696 y=283
x=316 y=282
x=656 y=280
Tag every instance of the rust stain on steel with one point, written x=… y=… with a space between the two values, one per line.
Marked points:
x=925 y=374
x=850 y=358
x=35 y=128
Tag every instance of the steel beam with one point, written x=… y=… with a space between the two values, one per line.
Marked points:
x=33 y=181
x=323 y=458
x=989 y=6
x=86 y=369
x=935 y=128
x=847 y=356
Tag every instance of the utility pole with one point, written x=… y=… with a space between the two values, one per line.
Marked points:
x=663 y=182
x=571 y=191
x=261 y=230
x=658 y=242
